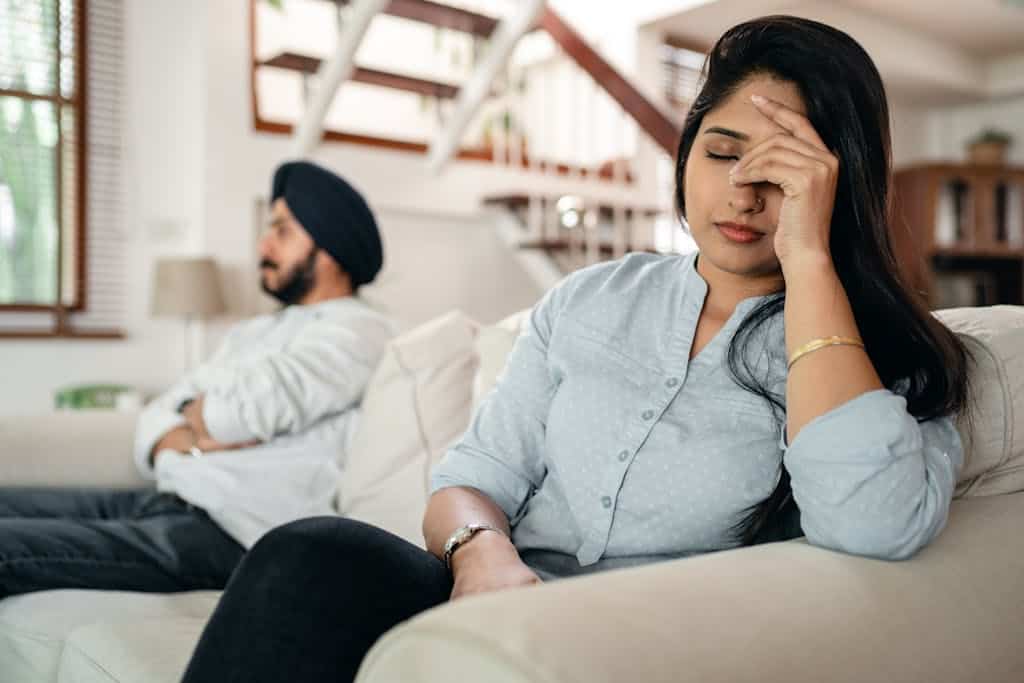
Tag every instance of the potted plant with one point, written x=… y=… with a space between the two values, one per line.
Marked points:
x=989 y=147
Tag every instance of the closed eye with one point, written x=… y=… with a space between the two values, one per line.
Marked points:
x=721 y=157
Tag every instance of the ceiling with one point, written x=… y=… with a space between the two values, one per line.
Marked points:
x=958 y=51
x=985 y=28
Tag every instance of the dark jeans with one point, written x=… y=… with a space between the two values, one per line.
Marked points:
x=309 y=600
x=114 y=540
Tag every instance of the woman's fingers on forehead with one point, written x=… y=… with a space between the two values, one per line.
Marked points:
x=793 y=121
x=783 y=140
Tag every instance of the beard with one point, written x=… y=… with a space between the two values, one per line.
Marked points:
x=295 y=283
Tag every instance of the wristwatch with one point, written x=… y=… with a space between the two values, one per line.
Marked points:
x=461 y=536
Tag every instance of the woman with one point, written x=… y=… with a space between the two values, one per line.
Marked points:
x=780 y=382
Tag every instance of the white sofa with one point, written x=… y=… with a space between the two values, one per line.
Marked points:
x=779 y=612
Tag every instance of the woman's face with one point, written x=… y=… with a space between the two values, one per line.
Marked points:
x=734 y=226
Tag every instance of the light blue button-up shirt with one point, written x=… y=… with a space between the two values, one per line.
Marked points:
x=607 y=446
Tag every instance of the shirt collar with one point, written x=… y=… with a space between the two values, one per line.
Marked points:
x=695 y=280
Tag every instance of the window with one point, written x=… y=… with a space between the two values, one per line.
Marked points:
x=54 y=275
x=681 y=75
x=40 y=141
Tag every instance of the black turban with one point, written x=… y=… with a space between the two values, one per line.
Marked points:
x=334 y=214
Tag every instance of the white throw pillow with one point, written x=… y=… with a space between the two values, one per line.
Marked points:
x=416 y=404
x=994 y=439
x=493 y=344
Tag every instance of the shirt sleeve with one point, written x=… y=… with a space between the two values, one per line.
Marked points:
x=870 y=480
x=161 y=414
x=324 y=371
x=501 y=452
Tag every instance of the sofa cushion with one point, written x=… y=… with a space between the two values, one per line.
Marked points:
x=993 y=430
x=416 y=404
x=154 y=650
x=34 y=626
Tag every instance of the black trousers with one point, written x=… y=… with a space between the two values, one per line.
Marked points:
x=309 y=600
x=113 y=540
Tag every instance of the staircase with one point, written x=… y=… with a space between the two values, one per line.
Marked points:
x=567 y=125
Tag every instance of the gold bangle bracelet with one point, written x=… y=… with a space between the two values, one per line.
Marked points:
x=816 y=344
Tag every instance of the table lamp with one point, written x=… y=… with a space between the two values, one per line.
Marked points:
x=189 y=288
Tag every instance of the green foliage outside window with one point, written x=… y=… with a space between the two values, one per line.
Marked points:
x=35 y=44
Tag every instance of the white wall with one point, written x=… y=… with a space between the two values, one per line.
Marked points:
x=909 y=131
x=434 y=261
x=950 y=128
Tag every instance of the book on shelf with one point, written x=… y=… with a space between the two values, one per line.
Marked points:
x=1011 y=214
x=945 y=217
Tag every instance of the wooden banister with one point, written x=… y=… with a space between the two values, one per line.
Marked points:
x=659 y=127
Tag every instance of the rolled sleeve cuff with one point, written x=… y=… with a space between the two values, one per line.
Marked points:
x=879 y=416
x=222 y=421
x=459 y=468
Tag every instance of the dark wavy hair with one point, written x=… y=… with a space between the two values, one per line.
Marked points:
x=912 y=352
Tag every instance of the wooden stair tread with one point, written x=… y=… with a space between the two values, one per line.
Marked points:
x=522 y=200
x=310 y=65
x=442 y=16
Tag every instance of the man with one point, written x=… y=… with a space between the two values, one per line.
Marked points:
x=248 y=441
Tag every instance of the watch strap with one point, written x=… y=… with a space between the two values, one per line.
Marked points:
x=461 y=536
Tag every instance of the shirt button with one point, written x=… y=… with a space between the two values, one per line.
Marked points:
x=606 y=501
x=672 y=382
x=623 y=456
x=648 y=414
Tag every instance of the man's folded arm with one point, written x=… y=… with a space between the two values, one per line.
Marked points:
x=323 y=372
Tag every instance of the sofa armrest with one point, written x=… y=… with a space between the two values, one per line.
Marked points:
x=69 y=448
x=780 y=612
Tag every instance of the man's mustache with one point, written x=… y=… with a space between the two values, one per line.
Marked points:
x=268 y=264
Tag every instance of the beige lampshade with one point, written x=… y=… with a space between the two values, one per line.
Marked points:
x=187 y=286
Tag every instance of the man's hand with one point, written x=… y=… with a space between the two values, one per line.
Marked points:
x=179 y=439
x=182 y=439
x=193 y=414
x=209 y=445
x=488 y=562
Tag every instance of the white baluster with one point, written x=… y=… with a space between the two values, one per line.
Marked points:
x=515 y=157
x=591 y=221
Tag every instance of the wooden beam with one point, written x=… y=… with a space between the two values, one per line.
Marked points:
x=484 y=154
x=681 y=43
x=309 y=65
x=65 y=334
x=651 y=120
x=439 y=15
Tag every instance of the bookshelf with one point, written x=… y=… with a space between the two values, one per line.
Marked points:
x=958 y=232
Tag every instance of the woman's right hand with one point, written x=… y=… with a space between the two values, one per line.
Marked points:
x=488 y=562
